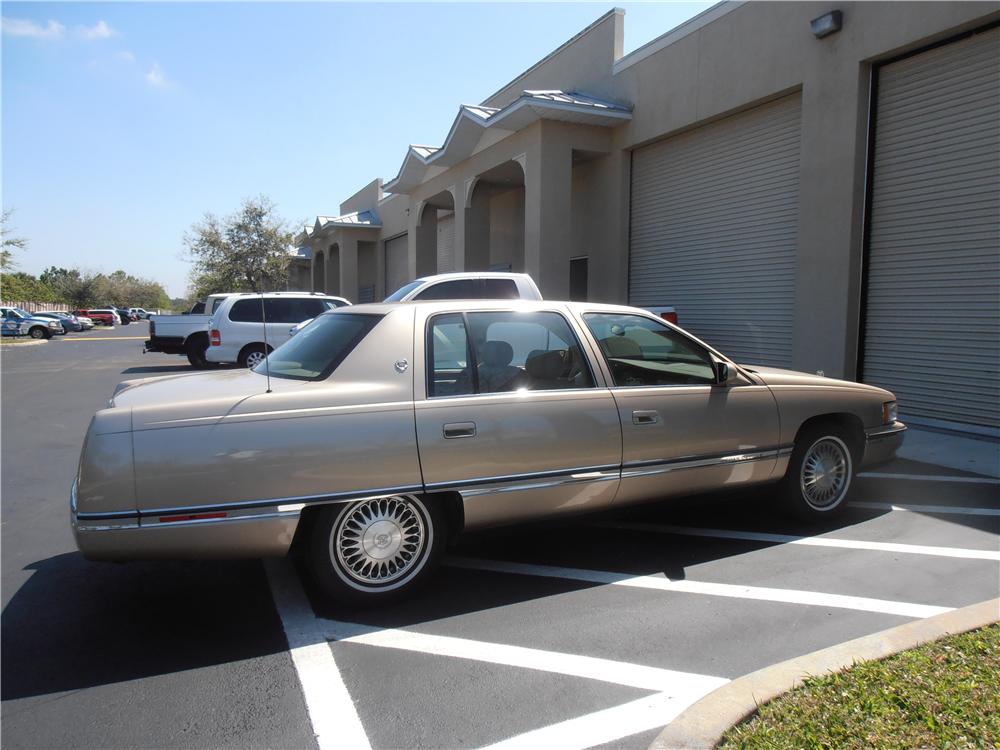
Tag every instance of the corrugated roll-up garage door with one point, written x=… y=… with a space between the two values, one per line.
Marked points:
x=396 y=271
x=714 y=225
x=932 y=316
x=446 y=243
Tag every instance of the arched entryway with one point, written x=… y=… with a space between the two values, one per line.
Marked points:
x=494 y=225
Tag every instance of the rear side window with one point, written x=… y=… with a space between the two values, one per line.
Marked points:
x=499 y=289
x=508 y=352
x=457 y=289
x=277 y=309
x=316 y=351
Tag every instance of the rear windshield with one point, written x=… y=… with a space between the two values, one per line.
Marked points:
x=315 y=351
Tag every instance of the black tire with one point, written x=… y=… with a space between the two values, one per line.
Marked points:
x=247 y=355
x=347 y=539
x=37 y=332
x=195 y=349
x=820 y=474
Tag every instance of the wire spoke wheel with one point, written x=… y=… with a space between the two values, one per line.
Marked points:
x=380 y=541
x=826 y=473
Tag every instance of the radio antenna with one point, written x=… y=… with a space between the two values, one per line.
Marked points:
x=263 y=323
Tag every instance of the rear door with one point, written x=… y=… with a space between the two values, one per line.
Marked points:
x=513 y=417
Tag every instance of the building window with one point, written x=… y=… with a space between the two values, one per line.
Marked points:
x=578 y=279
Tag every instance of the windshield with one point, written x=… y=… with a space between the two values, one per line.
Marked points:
x=397 y=295
x=316 y=351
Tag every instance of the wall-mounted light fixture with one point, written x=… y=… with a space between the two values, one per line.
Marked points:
x=829 y=23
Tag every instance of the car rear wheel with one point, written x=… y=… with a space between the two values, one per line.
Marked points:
x=377 y=549
x=195 y=351
x=820 y=474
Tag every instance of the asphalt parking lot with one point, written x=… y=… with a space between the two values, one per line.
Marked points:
x=594 y=632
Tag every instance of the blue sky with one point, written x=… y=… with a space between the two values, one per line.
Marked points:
x=124 y=122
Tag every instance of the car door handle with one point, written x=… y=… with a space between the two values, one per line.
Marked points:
x=640 y=416
x=459 y=430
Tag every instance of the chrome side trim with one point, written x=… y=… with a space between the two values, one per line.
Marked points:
x=588 y=477
x=652 y=468
x=580 y=471
x=270 y=503
x=878 y=433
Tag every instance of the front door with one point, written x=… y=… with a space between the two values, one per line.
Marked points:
x=681 y=432
x=514 y=419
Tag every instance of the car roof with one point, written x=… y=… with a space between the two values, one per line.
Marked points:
x=457 y=305
x=472 y=275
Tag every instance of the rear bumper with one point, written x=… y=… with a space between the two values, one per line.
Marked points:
x=881 y=444
x=262 y=532
x=165 y=344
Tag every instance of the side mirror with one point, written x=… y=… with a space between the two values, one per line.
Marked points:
x=724 y=374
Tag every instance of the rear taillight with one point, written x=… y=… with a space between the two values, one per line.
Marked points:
x=670 y=317
x=216 y=338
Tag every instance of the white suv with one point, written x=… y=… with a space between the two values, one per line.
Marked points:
x=236 y=330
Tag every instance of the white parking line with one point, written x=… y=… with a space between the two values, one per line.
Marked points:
x=920 y=508
x=788 y=596
x=810 y=541
x=588 y=667
x=604 y=726
x=929 y=477
x=331 y=710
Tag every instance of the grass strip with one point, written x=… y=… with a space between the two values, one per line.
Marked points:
x=944 y=694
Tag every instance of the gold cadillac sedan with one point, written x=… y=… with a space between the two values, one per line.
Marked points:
x=381 y=431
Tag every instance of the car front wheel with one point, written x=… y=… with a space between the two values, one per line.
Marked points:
x=819 y=475
x=39 y=333
x=375 y=550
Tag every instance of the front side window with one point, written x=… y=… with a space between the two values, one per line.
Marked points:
x=318 y=348
x=500 y=352
x=643 y=352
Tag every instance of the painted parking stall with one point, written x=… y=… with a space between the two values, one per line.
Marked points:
x=516 y=619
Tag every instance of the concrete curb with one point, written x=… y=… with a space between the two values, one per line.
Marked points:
x=702 y=725
x=21 y=342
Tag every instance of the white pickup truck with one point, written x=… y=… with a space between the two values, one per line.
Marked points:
x=184 y=334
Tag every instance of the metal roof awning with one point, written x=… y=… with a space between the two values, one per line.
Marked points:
x=356 y=220
x=528 y=108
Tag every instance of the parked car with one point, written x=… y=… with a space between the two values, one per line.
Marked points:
x=123 y=315
x=185 y=334
x=69 y=322
x=468 y=285
x=104 y=316
x=384 y=429
x=236 y=331
x=138 y=313
x=14 y=327
x=37 y=328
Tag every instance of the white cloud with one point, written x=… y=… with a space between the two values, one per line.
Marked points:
x=156 y=78
x=24 y=27
x=125 y=56
x=100 y=30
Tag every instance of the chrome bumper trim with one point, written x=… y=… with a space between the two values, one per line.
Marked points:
x=885 y=431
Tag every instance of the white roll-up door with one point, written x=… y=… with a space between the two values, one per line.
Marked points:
x=446 y=243
x=714 y=225
x=932 y=312
x=395 y=264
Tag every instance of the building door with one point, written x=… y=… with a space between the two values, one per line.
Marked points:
x=396 y=269
x=714 y=225
x=446 y=243
x=931 y=328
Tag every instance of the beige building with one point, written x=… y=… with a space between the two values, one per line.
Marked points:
x=811 y=185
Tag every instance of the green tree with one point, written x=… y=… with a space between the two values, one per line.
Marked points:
x=79 y=290
x=246 y=251
x=23 y=287
x=8 y=244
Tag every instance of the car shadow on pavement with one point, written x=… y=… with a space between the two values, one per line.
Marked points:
x=77 y=624
x=591 y=542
